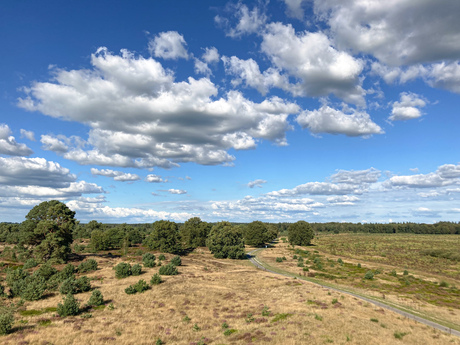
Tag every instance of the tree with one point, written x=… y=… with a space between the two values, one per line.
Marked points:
x=48 y=229
x=226 y=241
x=300 y=233
x=164 y=237
x=255 y=234
x=194 y=232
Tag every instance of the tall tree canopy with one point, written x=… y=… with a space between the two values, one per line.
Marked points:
x=194 y=232
x=300 y=233
x=256 y=234
x=164 y=237
x=226 y=241
x=48 y=229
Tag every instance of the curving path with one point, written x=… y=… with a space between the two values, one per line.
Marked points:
x=253 y=258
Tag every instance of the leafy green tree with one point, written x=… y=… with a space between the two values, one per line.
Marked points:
x=194 y=232
x=148 y=260
x=48 y=229
x=255 y=234
x=96 y=298
x=70 y=306
x=300 y=233
x=6 y=320
x=226 y=241
x=164 y=237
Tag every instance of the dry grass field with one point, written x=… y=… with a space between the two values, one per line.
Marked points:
x=403 y=273
x=215 y=301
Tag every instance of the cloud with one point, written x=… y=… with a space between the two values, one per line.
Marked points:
x=332 y=121
x=445 y=175
x=211 y=55
x=344 y=200
x=27 y=134
x=154 y=179
x=311 y=59
x=359 y=177
x=402 y=32
x=295 y=8
x=20 y=171
x=168 y=45
x=445 y=76
x=177 y=191
x=116 y=175
x=256 y=183
x=140 y=117
x=8 y=144
x=265 y=207
x=202 y=68
x=89 y=210
x=243 y=20
x=408 y=107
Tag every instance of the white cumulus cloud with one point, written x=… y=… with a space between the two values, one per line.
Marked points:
x=8 y=144
x=169 y=45
x=116 y=175
x=408 y=107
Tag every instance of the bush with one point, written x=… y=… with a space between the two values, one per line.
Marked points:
x=34 y=288
x=405 y=273
x=168 y=270
x=70 y=306
x=16 y=281
x=87 y=266
x=136 y=270
x=122 y=270
x=148 y=259
x=69 y=286
x=279 y=259
x=30 y=264
x=162 y=257
x=393 y=273
x=46 y=271
x=340 y=261
x=369 y=275
x=67 y=272
x=156 y=279
x=96 y=298
x=83 y=284
x=140 y=286
x=6 y=321
x=176 y=261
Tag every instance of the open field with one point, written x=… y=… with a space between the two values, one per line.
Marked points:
x=192 y=307
x=399 y=268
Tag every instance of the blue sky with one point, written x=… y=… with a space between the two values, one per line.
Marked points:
x=320 y=110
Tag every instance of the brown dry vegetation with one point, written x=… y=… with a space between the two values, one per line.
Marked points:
x=420 y=290
x=209 y=292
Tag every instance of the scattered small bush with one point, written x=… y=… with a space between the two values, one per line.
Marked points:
x=148 y=259
x=30 y=263
x=406 y=272
x=87 y=266
x=369 y=275
x=162 y=257
x=374 y=320
x=340 y=261
x=168 y=270
x=399 y=335
x=294 y=257
x=140 y=286
x=393 y=273
x=70 y=306
x=359 y=265
x=300 y=264
x=305 y=269
x=136 y=270
x=156 y=279
x=122 y=270
x=266 y=311
x=6 y=321
x=67 y=272
x=229 y=332
x=443 y=284
x=34 y=288
x=279 y=259
x=46 y=271
x=83 y=284
x=176 y=261
x=96 y=298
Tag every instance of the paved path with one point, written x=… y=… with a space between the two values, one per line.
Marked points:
x=252 y=257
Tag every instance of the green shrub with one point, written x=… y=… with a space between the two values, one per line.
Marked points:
x=16 y=280
x=87 y=266
x=176 y=261
x=399 y=335
x=279 y=259
x=168 y=270
x=229 y=332
x=140 y=286
x=443 y=284
x=162 y=257
x=83 y=284
x=96 y=298
x=6 y=321
x=300 y=264
x=46 y=271
x=405 y=273
x=266 y=311
x=2 y=290
x=359 y=265
x=136 y=270
x=67 y=272
x=294 y=257
x=305 y=269
x=122 y=270
x=69 y=286
x=156 y=279
x=369 y=275
x=70 y=306
x=340 y=261
x=393 y=273
x=30 y=263
x=148 y=260
x=34 y=288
